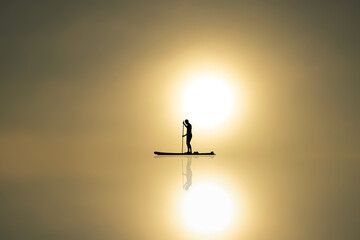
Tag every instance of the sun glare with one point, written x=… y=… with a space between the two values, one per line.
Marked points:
x=207 y=209
x=208 y=100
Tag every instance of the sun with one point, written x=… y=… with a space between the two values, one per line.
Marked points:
x=207 y=209
x=208 y=99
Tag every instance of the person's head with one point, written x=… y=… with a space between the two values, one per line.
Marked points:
x=186 y=121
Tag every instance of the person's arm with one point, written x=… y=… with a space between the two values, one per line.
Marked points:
x=185 y=126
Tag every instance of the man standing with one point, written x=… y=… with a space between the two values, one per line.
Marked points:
x=188 y=135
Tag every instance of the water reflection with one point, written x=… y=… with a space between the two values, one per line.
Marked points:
x=126 y=200
x=186 y=162
x=188 y=173
x=205 y=205
x=207 y=208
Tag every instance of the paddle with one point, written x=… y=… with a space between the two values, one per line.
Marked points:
x=182 y=138
x=182 y=152
x=182 y=159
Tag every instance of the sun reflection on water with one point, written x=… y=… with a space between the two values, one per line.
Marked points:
x=207 y=208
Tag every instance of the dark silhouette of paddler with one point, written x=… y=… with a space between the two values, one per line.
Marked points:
x=188 y=135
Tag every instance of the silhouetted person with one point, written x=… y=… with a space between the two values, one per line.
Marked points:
x=188 y=175
x=188 y=135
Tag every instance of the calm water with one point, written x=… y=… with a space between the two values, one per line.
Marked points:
x=141 y=198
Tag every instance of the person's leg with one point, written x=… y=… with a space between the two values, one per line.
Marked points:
x=188 y=140
x=188 y=144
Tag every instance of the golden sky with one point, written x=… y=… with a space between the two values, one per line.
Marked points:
x=90 y=89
